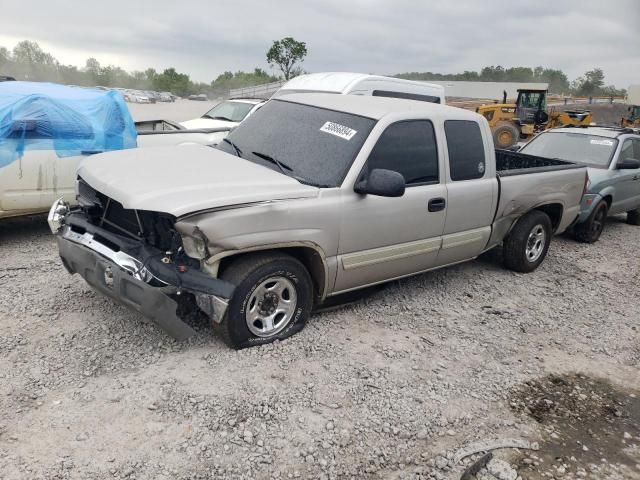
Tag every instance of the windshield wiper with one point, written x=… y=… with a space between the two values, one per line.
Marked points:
x=235 y=147
x=284 y=166
x=275 y=161
x=226 y=119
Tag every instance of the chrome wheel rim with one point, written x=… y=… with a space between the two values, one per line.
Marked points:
x=271 y=306
x=535 y=243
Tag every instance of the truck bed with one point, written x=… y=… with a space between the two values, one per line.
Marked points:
x=514 y=163
x=527 y=181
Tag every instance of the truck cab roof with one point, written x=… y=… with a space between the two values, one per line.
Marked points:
x=379 y=107
x=599 y=130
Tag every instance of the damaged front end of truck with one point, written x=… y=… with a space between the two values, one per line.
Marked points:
x=137 y=258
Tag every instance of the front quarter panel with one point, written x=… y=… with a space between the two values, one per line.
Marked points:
x=311 y=222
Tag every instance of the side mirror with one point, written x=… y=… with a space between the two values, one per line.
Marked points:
x=382 y=182
x=628 y=164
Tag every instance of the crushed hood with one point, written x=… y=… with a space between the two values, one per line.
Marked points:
x=186 y=179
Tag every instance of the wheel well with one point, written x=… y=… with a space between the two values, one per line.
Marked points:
x=608 y=199
x=309 y=257
x=554 y=211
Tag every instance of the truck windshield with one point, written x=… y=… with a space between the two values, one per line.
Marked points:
x=230 y=111
x=314 y=145
x=591 y=150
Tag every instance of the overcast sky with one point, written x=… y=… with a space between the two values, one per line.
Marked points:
x=206 y=37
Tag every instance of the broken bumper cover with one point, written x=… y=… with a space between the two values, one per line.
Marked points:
x=144 y=286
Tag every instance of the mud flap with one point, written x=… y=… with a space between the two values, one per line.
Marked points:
x=109 y=279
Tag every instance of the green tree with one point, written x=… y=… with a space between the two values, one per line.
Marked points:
x=30 y=53
x=94 y=70
x=287 y=54
x=591 y=84
x=5 y=56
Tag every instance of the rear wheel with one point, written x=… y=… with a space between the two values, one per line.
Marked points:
x=272 y=300
x=590 y=230
x=505 y=135
x=526 y=246
x=633 y=217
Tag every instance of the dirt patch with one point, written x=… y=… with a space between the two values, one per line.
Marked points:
x=590 y=426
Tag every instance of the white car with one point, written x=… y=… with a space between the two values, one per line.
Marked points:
x=31 y=184
x=226 y=114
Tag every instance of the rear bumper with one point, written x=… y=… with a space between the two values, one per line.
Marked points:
x=144 y=283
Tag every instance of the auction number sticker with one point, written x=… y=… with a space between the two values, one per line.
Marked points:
x=607 y=143
x=338 y=130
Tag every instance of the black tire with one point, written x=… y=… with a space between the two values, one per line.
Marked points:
x=505 y=135
x=249 y=273
x=633 y=217
x=522 y=252
x=590 y=230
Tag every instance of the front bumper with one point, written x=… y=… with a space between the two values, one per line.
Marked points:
x=134 y=274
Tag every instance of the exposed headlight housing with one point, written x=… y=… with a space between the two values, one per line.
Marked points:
x=58 y=211
x=195 y=245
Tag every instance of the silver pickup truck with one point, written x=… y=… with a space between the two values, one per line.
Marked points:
x=312 y=196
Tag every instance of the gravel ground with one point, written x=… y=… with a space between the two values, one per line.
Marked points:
x=390 y=386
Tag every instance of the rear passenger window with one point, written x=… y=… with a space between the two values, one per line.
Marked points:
x=410 y=149
x=466 y=149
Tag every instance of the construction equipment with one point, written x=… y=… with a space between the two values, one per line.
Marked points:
x=511 y=122
x=633 y=100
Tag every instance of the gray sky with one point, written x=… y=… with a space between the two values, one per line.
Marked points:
x=206 y=37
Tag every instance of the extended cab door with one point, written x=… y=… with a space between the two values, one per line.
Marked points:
x=384 y=238
x=472 y=191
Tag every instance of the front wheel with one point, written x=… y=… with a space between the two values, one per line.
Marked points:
x=526 y=246
x=590 y=230
x=505 y=135
x=272 y=299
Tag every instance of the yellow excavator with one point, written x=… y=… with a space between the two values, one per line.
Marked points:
x=512 y=122
x=633 y=100
x=633 y=120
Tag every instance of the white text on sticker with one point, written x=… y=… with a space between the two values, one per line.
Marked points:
x=607 y=143
x=338 y=130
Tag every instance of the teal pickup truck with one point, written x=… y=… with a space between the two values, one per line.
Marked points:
x=612 y=155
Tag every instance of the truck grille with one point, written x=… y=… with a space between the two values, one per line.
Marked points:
x=154 y=228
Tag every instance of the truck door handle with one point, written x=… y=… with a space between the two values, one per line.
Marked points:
x=437 y=204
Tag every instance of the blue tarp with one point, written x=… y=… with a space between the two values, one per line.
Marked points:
x=69 y=120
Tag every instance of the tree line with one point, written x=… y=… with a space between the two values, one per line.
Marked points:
x=590 y=84
x=28 y=61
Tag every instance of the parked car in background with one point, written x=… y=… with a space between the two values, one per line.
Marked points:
x=347 y=83
x=312 y=196
x=612 y=155
x=226 y=114
x=201 y=97
x=6 y=78
x=136 y=96
x=167 y=97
